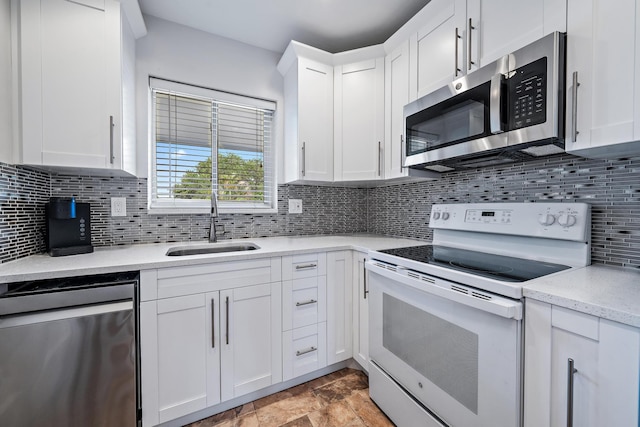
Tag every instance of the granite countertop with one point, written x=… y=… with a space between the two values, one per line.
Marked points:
x=146 y=256
x=608 y=292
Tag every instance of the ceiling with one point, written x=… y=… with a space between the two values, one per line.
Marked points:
x=331 y=25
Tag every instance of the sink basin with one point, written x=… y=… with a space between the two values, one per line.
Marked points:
x=213 y=248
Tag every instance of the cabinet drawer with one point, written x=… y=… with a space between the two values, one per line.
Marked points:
x=305 y=265
x=304 y=302
x=304 y=350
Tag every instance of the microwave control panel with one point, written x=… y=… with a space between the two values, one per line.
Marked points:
x=528 y=95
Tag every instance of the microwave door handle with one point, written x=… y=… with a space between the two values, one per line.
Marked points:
x=495 y=104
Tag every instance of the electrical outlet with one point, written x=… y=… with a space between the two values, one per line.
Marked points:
x=118 y=206
x=295 y=205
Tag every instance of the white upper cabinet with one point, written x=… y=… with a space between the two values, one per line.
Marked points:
x=308 y=120
x=76 y=76
x=498 y=27
x=460 y=36
x=437 y=48
x=359 y=120
x=396 y=97
x=603 y=78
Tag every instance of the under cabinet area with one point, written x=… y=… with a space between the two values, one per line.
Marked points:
x=209 y=333
x=602 y=387
x=76 y=78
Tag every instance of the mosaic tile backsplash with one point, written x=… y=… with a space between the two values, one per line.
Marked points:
x=611 y=187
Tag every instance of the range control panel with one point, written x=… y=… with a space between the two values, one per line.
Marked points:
x=566 y=221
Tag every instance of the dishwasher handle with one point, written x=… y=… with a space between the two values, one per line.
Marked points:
x=64 y=313
x=67 y=298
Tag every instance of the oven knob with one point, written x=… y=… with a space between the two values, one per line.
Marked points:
x=566 y=220
x=546 y=219
x=445 y=215
x=436 y=215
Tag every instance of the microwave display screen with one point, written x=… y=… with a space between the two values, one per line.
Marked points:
x=528 y=95
x=460 y=118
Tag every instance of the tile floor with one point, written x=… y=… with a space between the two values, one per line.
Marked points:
x=340 y=399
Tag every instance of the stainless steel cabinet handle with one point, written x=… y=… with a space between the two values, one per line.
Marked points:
x=574 y=108
x=111 y=125
x=311 y=301
x=227 y=309
x=309 y=350
x=470 y=63
x=306 y=266
x=364 y=279
x=304 y=158
x=570 y=371
x=456 y=69
x=213 y=323
x=379 y=158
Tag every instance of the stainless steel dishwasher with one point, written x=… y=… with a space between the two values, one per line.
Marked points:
x=68 y=352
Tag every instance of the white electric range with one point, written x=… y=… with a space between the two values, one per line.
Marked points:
x=446 y=318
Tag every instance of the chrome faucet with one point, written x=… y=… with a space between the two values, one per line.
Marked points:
x=214 y=214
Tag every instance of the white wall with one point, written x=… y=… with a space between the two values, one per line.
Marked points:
x=6 y=118
x=179 y=53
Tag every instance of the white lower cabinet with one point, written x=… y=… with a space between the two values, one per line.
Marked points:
x=304 y=350
x=304 y=314
x=203 y=348
x=606 y=362
x=360 y=311
x=250 y=329
x=339 y=306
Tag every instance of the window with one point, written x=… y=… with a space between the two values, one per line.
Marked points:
x=205 y=140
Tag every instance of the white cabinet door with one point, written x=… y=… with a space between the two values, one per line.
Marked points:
x=437 y=50
x=308 y=93
x=603 y=57
x=180 y=356
x=396 y=97
x=339 y=306
x=251 y=338
x=72 y=58
x=495 y=28
x=606 y=359
x=359 y=120
x=360 y=311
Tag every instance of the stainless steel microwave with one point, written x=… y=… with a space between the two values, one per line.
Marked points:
x=509 y=110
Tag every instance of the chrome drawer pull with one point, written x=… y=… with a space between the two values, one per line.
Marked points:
x=309 y=350
x=570 y=371
x=311 y=301
x=306 y=266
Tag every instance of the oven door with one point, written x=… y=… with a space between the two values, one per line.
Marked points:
x=456 y=353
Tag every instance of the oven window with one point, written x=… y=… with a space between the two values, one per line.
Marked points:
x=444 y=353
x=461 y=118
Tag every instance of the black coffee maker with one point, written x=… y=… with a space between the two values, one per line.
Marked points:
x=68 y=227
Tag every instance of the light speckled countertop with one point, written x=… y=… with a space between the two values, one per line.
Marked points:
x=139 y=257
x=608 y=292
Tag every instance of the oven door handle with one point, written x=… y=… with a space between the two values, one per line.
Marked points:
x=500 y=306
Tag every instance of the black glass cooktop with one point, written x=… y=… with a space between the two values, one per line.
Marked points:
x=499 y=267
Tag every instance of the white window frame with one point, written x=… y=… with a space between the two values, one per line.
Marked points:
x=195 y=206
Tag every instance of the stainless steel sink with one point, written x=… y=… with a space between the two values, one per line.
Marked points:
x=213 y=248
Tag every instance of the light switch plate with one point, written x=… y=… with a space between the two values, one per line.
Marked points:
x=295 y=205
x=118 y=206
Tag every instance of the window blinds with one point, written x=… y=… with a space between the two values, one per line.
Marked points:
x=201 y=143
